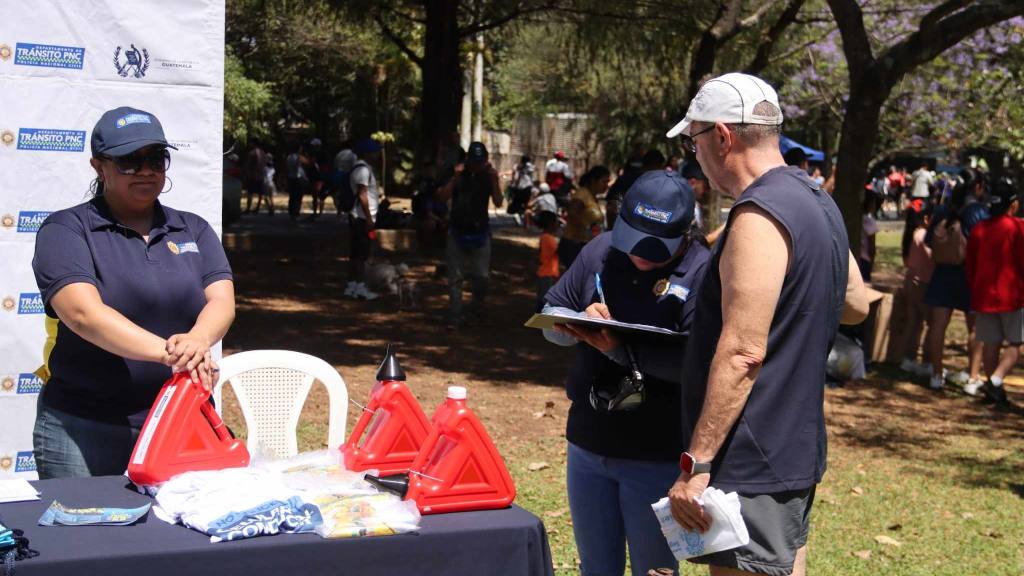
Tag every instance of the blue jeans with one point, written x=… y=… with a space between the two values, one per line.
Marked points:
x=610 y=501
x=67 y=446
x=479 y=268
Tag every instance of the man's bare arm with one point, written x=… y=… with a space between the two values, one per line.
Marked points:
x=855 y=308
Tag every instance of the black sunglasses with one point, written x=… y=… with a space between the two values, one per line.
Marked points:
x=158 y=161
x=627 y=396
x=690 y=144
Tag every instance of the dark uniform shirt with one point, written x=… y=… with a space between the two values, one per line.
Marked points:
x=651 y=432
x=779 y=441
x=158 y=286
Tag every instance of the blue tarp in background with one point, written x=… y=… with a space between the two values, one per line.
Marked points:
x=785 y=144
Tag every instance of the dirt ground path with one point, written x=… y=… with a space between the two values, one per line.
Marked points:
x=289 y=282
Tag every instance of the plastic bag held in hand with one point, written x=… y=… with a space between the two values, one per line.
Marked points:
x=727 y=529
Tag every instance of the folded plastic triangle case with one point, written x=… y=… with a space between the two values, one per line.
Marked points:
x=183 y=433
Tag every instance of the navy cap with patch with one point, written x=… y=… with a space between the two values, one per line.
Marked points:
x=124 y=130
x=655 y=216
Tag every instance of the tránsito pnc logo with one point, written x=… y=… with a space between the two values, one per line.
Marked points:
x=51 y=140
x=30 y=221
x=49 y=56
x=30 y=303
x=29 y=383
x=135 y=63
x=25 y=462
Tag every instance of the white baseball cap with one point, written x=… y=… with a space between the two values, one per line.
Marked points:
x=730 y=98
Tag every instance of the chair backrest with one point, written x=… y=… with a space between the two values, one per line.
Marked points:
x=271 y=387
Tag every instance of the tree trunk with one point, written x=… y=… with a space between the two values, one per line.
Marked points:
x=859 y=133
x=702 y=63
x=442 y=75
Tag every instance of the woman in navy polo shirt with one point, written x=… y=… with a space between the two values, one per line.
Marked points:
x=135 y=291
x=624 y=445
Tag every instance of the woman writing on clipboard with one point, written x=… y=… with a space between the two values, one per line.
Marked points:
x=625 y=421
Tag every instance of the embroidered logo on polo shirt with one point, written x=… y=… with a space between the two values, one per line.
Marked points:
x=651 y=213
x=6 y=461
x=182 y=247
x=8 y=303
x=7 y=384
x=679 y=291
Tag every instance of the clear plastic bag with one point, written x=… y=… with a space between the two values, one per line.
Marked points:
x=374 y=515
x=320 y=473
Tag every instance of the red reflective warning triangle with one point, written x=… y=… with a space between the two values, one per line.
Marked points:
x=183 y=433
x=458 y=467
x=392 y=426
x=389 y=432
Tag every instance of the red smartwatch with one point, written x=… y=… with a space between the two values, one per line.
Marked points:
x=689 y=464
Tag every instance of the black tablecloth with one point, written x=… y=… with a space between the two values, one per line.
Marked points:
x=510 y=541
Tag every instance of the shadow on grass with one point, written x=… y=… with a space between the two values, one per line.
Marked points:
x=290 y=297
x=929 y=430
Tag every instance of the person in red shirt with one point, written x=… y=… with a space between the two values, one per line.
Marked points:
x=995 y=275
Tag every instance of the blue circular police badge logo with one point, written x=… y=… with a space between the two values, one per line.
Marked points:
x=134 y=64
x=5 y=53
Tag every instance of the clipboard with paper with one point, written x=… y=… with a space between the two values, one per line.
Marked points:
x=548 y=320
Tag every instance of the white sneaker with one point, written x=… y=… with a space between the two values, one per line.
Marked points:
x=350 y=290
x=364 y=293
x=972 y=387
x=958 y=378
x=936 y=382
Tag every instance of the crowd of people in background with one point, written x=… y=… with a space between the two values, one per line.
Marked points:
x=962 y=247
x=454 y=190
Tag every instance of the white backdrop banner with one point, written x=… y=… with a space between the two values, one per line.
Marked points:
x=62 y=64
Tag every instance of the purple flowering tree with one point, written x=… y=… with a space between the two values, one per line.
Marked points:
x=875 y=67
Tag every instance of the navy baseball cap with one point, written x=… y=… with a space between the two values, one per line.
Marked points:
x=124 y=130
x=656 y=214
x=1004 y=192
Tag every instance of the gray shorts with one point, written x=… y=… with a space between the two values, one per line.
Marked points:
x=1002 y=327
x=778 y=525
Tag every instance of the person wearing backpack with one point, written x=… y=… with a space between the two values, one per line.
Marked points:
x=947 y=290
x=473 y=186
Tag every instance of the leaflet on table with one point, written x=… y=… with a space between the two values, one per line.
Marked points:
x=58 y=514
x=548 y=320
x=17 y=490
x=727 y=530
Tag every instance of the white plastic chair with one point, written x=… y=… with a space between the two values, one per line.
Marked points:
x=271 y=387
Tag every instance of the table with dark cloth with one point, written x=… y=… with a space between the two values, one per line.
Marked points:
x=509 y=541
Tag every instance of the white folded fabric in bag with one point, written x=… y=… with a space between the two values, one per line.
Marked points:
x=727 y=530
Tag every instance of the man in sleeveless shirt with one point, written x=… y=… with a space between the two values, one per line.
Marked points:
x=780 y=281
